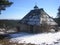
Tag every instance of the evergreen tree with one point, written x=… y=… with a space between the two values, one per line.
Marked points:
x=4 y=4
x=58 y=16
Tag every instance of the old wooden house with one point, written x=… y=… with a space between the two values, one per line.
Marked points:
x=37 y=20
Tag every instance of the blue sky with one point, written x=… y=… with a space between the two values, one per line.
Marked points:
x=20 y=8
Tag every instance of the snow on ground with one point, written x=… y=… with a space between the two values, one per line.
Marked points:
x=2 y=32
x=42 y=38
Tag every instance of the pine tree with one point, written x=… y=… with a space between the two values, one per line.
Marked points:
x=58 y=16
x=4 y=4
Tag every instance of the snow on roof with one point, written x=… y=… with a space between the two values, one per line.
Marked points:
x=37 y=16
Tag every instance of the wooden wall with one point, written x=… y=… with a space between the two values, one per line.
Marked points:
x=33 y=29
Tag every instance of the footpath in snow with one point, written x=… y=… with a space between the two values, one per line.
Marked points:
x=42 y=38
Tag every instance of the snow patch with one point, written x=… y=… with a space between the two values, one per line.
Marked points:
x=44 y=38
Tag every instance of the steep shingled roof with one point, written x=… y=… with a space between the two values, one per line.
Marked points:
x=37 y=16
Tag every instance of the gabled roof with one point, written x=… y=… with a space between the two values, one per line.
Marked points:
x=37 y=16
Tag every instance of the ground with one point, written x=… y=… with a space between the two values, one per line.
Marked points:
x=41 y=38
x=33 y=39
